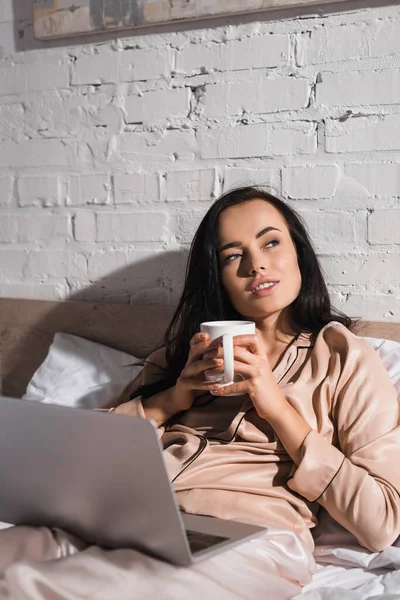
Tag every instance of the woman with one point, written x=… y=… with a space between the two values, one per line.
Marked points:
x=316 y=424
x=317 y=421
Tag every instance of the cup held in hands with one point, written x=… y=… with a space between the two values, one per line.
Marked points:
x=227 y=330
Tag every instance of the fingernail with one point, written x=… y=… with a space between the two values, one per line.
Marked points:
x=207 y=355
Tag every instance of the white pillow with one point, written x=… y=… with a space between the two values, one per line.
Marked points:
x=389 y=352
x=78 y=372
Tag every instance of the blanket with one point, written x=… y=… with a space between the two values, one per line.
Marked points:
x=49 y=564
x=44 y=564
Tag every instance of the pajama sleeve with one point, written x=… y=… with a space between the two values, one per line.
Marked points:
x=356 y=478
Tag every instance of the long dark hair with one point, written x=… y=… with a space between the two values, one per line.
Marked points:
x=205 y=299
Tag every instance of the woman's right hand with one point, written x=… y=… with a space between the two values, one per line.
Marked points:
x=192 y=379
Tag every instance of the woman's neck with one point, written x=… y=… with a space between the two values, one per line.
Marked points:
x=275 y=334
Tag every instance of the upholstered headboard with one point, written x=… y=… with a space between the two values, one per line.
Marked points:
x=27 y=328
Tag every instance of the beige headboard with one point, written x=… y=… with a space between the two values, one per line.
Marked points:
x=27 y=328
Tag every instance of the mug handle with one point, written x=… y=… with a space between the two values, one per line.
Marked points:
x=229 y=369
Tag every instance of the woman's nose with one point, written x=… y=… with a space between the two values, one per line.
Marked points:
x=256 y=264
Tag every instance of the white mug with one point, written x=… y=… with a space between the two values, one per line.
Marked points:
x=226 y=330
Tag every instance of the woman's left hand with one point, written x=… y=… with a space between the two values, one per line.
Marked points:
x=251 y=362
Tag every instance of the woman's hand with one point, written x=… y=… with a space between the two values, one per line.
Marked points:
x=192 y=379
x=163 y=406
x=251 y=363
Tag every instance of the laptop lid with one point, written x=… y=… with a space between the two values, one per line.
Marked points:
x=99 y=476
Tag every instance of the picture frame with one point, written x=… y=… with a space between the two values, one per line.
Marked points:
x=64 y=18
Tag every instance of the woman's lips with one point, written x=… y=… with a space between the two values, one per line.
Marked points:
x=265 y=291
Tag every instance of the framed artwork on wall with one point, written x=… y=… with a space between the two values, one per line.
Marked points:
x=62 y=18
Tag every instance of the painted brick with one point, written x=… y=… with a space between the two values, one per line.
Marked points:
x=155 y=146
x=96 y=68
x=235 y=142
x=375 y=307
x=355 y=269
x=106 y=263
x=153 y=106
x=348 y=42
x=199 y=58
x=257 y=52
x=384 y=226
x=235 y=177
x=384 y=38
x=331 y=44
x=142 y=65
x=186 y=225
x=55 y=264
x=379 y=179
x=38 y=191
x=33 y=227
x=12 y=123
x=135 y=188
x=6 y=12
x=12 y=78
x=89 y=189
x=35 y=76
x=364 y=134
x=34 y=291
x=314 y=181
x=84 y=226
x=269 y=95
x=258 y=141
x=190 y=186
x=130 y=227
x=12 y=264
x=330 y=226
x=35 y=153
x=6 y=190
x=293 y=138
x=359 y=88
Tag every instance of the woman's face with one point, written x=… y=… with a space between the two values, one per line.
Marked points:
x=258 y=260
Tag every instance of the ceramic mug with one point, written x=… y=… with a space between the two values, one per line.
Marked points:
x=226 y=330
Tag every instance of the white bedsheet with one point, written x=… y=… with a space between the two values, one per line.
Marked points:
x=272 y=568
x=346 y=571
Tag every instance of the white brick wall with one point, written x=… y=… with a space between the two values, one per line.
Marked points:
x=111 y=152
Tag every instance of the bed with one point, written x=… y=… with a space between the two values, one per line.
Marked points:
x=254 y=570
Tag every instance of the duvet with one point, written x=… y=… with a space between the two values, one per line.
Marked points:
x=44 y=564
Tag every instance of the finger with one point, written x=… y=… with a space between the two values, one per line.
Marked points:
x=200 y=366
x=243 y=355
x=239 y=387
x=241 y=368
x=248 y=341
x=199 y=384
x=214 y=353
x=199 y=338
x=198 y=350
x=242 y=351
x=214 y=372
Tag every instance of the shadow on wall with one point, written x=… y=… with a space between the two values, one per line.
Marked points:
x=103 y=315
x=25 y=41
x=157 y=279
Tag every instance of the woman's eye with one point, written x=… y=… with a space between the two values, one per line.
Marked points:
x=272 y=243
x=231 y=257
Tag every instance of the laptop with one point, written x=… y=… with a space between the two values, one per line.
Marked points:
x=102 y=478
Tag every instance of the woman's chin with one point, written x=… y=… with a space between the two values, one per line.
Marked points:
x=254 y=313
